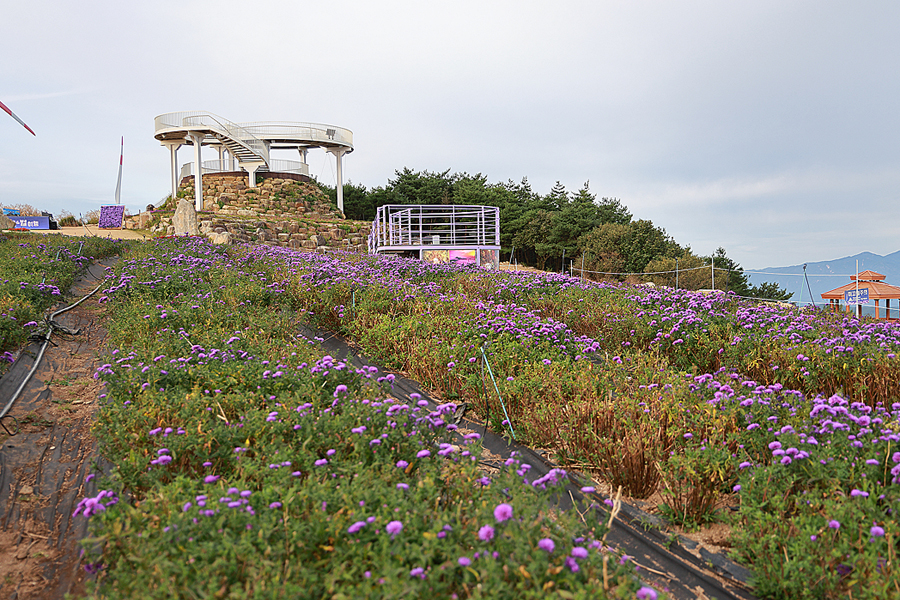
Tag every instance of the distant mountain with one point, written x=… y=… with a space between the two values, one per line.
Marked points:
x=822 y=275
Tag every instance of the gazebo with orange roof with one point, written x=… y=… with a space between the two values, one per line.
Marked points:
x=878 y=290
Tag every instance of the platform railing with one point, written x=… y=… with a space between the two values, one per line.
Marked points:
x=226 y=166
x=194 y=120
x=315 y=132
x=400 y=226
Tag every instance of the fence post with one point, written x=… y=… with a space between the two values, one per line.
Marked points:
x=676 y=273
x=712 y=265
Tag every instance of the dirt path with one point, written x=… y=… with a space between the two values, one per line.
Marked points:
x=94 y=230
x=44 y=466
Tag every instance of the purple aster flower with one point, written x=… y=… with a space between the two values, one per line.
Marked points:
x=876 y=531
x=547 y=545
x=854 y=493
x=646 y=593
x=356 y=527
x=417 y=572
x=486 y=533
x=834 y=524
x=503 y=512
x=211 y=478
x=402 y=464
x=588 y=489
x=464 y=561
x=579 y=552
x=423 y=453
x=275 y=505
x=394 y=527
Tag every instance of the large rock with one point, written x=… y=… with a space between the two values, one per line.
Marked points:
x=220 y=238
x=6 y=222
x=185 y=219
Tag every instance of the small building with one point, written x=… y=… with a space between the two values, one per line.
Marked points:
x=438 y=233
x=870 y=285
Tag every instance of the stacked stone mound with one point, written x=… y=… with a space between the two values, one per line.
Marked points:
x=277 y=212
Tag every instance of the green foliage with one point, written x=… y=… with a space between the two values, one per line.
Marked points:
x=694 y=479
x=36 y=272
x=307 y=494
x=770 y=291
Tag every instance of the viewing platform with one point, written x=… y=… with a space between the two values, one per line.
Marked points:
x=438 y=233
x=246 y=147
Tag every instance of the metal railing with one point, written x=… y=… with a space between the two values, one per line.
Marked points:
x=260 y=130
x=277 y=165
x=309 y=132
x=399 y=226
x=226 y=166
x=199 y=121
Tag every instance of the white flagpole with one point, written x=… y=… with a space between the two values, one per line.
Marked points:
x=119 y=182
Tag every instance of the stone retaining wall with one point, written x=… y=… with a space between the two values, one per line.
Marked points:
x=278 y=212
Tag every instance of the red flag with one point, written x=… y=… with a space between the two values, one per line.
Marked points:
x=13 y=115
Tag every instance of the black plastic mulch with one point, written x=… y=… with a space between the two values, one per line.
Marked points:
x=664 y=562
x=43 y=466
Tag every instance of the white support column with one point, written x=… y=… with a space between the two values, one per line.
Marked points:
x=338 y=153
x=173 y=163
x=251 y=171
x=197 y=141
x=220 y=150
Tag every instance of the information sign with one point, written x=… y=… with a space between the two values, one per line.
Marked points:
x=31 y=222
x=853 y=297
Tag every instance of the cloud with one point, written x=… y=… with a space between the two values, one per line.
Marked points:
x=729 y=190
x=42 y=95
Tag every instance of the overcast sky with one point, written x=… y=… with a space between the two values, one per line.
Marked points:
x=769 y=128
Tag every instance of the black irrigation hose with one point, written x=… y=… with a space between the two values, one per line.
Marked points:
x=51 y=325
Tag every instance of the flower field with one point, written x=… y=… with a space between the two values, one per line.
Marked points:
x=33 y=270
x=255 y=467
x=248 y=465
